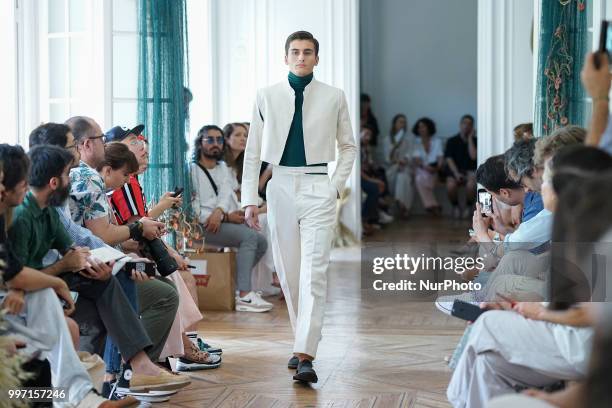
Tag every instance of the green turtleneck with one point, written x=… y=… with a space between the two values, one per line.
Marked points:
x=294 y=154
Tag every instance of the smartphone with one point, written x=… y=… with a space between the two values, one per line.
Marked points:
x=485 y=199
x=147 y=267
x=178 y=191
x=73 y=295
x=466 y=311
x=605 y=42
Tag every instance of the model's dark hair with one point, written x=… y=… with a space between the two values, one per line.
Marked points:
x=492 y=175
x=47 y=162
x=117 y=155
x=431 y=126
x=16 y=165
x=197 y=143
x=50 y=133
x=571 y=164
x=302 y=35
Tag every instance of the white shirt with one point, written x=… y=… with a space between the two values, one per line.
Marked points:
x=532 y=233
x=435 y=150
x=205 y=201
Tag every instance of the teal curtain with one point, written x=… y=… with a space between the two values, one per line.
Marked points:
x=560 y=98
x=162 y=80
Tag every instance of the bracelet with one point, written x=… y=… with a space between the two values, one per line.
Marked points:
x=136 y=230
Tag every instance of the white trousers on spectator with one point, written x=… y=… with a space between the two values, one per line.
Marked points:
x=301 y=216
x=506 y=350
x=45 y=323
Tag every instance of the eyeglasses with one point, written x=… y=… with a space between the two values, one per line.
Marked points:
x=137 y=142
x=98 y=137
x=214 y=139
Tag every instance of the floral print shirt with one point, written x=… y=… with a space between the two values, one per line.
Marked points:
x=88 y=199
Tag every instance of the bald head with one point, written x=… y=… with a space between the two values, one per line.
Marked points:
x=83 y=127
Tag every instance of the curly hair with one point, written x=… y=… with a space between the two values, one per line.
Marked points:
x=197 y=143
x=430 y=124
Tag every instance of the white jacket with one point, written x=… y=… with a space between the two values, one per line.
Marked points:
x=325 y=121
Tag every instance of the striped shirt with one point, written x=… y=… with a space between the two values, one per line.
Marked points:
x=129 y=201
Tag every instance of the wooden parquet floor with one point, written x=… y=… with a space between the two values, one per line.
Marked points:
x=371 y=355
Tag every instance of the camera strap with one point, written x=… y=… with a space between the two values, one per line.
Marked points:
x=212 y=182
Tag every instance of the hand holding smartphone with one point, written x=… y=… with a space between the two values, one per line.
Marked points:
x=485 y=199
x=178 y=191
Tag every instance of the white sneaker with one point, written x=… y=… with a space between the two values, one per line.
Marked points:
x=252 y=302
x=384 y=218
x=445 y=303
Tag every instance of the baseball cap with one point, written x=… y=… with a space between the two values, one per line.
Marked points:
x=118 y=133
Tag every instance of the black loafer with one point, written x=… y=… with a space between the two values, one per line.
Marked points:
x=293 y=362
x=305 y=372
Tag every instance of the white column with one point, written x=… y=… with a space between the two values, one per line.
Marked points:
x=505 y=72
x=8 y=73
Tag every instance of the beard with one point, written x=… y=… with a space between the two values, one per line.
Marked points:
x=59 y=196
x=216 y=154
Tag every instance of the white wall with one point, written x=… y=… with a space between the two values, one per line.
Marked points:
x=419 y=58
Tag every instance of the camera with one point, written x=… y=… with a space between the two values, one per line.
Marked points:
x=156 y=250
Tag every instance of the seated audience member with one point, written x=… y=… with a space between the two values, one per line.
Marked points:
x=492 y=176
x=500 y=355
x=596 y=82
x=263 y=276
x=212 y=186
x=397 y=150
x=36 y=229
x=131 y=194
x=368 y=119
x=89 y=206
x=371 y=186
x=524 y=131
x=427 y=160
x=460 y=155
x=534 y=232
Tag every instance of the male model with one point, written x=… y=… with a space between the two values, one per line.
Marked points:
x=296 y=124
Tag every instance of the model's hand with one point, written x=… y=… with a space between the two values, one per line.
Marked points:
x=251 y=213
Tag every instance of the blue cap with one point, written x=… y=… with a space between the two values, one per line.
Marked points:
x=118 y=133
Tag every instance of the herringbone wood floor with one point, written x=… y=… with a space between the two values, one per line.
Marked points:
x=371 y=355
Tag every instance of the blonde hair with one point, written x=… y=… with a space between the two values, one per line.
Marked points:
x=548 y=146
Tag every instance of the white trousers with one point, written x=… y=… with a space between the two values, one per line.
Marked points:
x=506 y=350
x=301 y=216
x=45 y=324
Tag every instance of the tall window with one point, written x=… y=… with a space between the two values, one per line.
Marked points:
x=66 y=55
x=125 y=63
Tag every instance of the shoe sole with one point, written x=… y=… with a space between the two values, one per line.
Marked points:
x=307 y=377
x=197 y=367
x=250 y=309
x=161 y=387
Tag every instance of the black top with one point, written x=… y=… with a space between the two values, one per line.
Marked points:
x=457 y=149
x=12 y=264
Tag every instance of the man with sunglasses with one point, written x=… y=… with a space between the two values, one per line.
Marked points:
x=212 y=186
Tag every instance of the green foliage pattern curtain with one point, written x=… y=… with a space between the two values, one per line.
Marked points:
x=563 y=41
